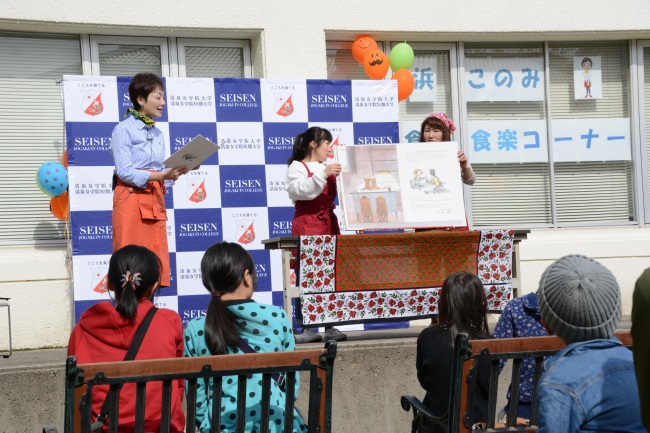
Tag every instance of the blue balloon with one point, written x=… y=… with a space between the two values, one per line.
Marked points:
x=52 y=178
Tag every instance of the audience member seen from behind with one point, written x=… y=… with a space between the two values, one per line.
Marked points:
x=437 y=127
x=590 y=384
x=462 y=308
x=235 y=323
x=521 y=318
x=312 y=187
x=106 y=330
x=641 y=338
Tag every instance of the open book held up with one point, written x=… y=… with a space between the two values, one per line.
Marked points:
x=192 y=154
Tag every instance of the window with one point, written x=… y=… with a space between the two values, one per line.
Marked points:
x=212 y=58
x=644 y=111
x=514 y=129
x=116 y=55
x=506 y=192
x=434 y=69
x=341 y=65
x=31 y=129
x=591 y=189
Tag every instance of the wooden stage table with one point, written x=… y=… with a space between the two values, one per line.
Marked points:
x=288 y=243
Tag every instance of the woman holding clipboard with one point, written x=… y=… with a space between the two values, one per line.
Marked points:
x=140 y=179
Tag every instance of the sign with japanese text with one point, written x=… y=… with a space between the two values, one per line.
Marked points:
x=504 y=79
x=579 y=140
x=525 y=141
x=507 y=141
x=426 y=81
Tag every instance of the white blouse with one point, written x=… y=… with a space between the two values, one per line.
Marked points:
x=302 y=187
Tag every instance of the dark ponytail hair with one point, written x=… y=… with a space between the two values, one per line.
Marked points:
x=462 y=306
x=222 y=268
x=302 y=141
x=124 y=264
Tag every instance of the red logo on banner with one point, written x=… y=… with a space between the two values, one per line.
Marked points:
x=196 y=194
x=96 y=106
x=283 y=104
x=245 y=231
x=100 y=283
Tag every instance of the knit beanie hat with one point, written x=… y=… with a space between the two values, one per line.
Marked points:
x=579 y=299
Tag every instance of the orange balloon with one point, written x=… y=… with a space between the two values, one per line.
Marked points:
x=405 y=83
x=59 y=206
x=64 y=159
x=361 y=46
x=375 y=63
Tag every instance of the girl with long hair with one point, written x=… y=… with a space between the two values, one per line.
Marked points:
x=235 y=323
x=462 y=308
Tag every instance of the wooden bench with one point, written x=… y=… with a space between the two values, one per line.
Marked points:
x=467 y=355
x=318 y=364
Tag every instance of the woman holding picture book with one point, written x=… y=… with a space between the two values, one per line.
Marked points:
x=312 y=186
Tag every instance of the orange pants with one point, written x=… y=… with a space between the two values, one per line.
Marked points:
x=140 y=218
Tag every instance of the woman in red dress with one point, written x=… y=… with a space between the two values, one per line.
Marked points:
x=312 y=187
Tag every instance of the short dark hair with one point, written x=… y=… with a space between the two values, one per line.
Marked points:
x=586 y=59
x=435 y=123
x=143 y=84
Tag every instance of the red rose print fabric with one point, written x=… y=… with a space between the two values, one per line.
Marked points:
x=351 y=279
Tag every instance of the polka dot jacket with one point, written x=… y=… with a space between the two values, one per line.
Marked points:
x=266 y=329
x=521 y=318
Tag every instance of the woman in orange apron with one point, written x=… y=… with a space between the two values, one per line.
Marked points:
x=312 y=187
x=140 y=179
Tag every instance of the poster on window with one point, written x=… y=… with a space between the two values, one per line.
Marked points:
x=426 y=82
x=400 y=186
x=504 y=79
x=587 y=78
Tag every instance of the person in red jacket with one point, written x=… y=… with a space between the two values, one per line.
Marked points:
x=105 y=331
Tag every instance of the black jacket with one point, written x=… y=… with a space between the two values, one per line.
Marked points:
x=434 y=363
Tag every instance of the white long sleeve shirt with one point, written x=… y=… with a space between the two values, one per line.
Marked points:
x=302 y=187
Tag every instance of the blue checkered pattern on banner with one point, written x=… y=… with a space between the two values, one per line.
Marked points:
x=238 y=194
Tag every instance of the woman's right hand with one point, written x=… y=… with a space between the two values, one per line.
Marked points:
x=332 y=169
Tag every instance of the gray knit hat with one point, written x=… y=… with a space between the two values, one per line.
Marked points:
x=579 y=299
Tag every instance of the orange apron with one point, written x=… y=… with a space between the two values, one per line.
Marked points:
x=140 y=218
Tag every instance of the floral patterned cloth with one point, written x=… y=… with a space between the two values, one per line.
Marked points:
x=349 y=279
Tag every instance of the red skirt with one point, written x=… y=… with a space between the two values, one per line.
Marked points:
x=140 y=218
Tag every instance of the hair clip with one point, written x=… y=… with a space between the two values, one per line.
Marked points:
x=215 y=294
x=446 y=120
x=134 y=279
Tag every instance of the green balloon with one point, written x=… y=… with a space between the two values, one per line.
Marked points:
x=401 y=57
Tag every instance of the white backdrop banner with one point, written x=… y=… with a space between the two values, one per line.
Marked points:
x=237 y=195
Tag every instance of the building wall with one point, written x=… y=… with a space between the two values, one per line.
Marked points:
x=288 y=40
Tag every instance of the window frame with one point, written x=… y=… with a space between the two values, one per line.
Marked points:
x=178 y=49
x=161 y=42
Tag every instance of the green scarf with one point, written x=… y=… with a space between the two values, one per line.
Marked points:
x=147 y=120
